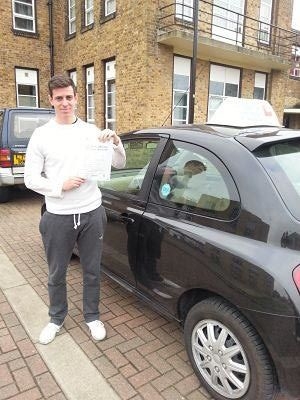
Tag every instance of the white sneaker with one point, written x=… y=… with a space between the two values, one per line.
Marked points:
x=49 y=333
x=97 y=329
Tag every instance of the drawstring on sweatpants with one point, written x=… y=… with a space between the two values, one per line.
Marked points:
x=76 y=224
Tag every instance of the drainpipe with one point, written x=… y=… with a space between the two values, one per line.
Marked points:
x=51 y=44
x=194 y=63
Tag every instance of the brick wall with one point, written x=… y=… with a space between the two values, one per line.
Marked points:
x=23 y=52
x=144 y=67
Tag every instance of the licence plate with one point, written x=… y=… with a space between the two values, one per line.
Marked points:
x=19 y=159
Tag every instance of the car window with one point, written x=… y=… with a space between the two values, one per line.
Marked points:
x=193 y=179
x=280 y=161
x=130 y=178
x=23 y=124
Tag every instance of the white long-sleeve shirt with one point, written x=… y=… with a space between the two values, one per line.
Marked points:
x=53 y=155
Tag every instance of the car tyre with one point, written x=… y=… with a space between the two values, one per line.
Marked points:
x=5 y=194
x=227 y=354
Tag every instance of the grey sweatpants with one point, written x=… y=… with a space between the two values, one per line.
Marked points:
x=59 y=238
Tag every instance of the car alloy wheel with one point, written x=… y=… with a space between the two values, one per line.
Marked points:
x=220 y=359
x=227 y=354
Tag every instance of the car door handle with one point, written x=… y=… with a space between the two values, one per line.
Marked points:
x=126 y=219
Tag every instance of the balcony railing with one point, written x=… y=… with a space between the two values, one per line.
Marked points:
x=219 y=23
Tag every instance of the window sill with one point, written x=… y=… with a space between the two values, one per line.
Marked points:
x=86 y=28
x=33 y=35
x=70 y=36
x=107 y=18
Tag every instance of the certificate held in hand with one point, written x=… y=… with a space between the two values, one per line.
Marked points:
x=96 y=163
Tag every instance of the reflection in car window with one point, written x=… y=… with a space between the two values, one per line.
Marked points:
x=280 y=161
x=193 y=179
x=129 y=179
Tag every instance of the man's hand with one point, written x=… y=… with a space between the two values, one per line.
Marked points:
x=72 y=183
x=108 y=134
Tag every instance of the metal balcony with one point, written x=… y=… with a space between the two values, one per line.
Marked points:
x=226 y=36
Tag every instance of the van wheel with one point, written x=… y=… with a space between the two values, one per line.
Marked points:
x=227 y=354
x=5 y=194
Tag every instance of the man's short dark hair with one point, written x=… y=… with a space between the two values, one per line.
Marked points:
x=60 y=81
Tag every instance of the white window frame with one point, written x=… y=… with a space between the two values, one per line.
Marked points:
x=110 y=78
x=26 y=77
x=265 y=18
x=90 y=98
x=184 y=10
x=109 y=7
x=228 y=21
x=73 y=76
x=295 y=70
x=88 y=12
x=260 y=81
x=182 y=66
x=24 y=16
x=225 y=75
x=72 y=16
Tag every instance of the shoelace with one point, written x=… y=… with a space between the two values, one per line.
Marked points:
x=76 y=224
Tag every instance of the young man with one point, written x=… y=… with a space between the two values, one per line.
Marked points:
x=74 y=211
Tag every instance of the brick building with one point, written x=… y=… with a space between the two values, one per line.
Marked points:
x=133 y=60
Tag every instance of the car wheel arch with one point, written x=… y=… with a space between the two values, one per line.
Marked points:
x=222 y=304
x=193 y=296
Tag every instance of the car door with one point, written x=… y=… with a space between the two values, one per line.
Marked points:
x=124 y=198
x=192 y=194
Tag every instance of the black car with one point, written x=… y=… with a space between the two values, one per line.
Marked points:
x=204 y=225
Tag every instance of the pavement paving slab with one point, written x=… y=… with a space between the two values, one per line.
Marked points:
x=142 y=358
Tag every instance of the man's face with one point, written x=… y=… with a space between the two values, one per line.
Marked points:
x=64 y=102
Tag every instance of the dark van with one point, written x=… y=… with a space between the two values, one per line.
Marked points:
x=16 y=128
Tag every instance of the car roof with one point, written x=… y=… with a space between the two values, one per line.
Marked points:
x=250 y=137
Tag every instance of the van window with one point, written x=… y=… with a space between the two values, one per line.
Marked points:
x=23 y=124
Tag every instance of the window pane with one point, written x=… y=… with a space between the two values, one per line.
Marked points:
x=180 y=99
x=111 y=114
x=110 y=6
x=259 y=93
x=26 y=101
x=180 y=113
x=23 y=125
x=90 y=89
x=73 y=27
x=89 y=17
x=24 y=24
x=231 y=90
x=111 y=99
x=111 y=86
x=193 y=179
x=181 y=82
x=72 y=13
x=279 y=160
x=90 y=115
x=23 y=9
x=27 y=90
x=216 y=88
x=91 y=101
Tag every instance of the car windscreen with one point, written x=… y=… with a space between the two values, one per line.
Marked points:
x=22 y=125
x=281 y=161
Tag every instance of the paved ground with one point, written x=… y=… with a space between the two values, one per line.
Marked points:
x=143 y=356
